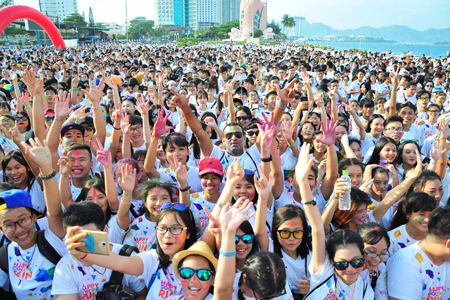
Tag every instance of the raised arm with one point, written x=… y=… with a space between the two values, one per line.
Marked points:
x=36 y=88
x=125 y=126
x=312 y=212
x=181 y=176
x=441 y=167
x=95 y=95
x=206 y=145
x=333 y=96
x=127 y=182
x=65 y=164
x=40 y=154
x=345 y=144
x=393 y=102
x=264 y=189
x=357 y=120
x=143 y=108
x=288 y=130
x=329 y=137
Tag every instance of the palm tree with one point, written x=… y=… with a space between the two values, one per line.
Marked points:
x=290 y=25
x=285 y=21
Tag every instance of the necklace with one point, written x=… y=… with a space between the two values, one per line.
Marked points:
x=103 y=277
x=353 y=290
x=31 y=257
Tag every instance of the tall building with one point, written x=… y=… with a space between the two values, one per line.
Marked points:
x=296 y=31
x=229 y=10
x=208 y=13
x=60 y=8
x=181 y=13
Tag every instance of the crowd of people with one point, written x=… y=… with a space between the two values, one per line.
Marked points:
x=217 y=172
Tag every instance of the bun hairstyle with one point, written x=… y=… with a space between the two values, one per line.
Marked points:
x=341 y=239
x=265 y=274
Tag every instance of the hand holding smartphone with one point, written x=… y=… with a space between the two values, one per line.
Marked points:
x=96 y=242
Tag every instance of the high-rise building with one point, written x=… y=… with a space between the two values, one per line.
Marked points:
x=229 y=10
x=181 y=13
x=208 y=13
x=60 y=8
x=296 y=31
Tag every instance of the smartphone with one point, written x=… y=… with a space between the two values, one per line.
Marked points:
x=304 y=99
x=97 y=242
x=150 y=83
x=143 y=88
x=254 y=106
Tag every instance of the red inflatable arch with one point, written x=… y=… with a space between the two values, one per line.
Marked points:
x=15 y=12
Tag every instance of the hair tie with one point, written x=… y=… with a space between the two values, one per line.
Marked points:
x=376 y=229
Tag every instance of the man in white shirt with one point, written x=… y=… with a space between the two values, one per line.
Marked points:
x=422 y=270
x=355 y=87
x=409 y=95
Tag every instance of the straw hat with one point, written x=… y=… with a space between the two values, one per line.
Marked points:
x=200 y=248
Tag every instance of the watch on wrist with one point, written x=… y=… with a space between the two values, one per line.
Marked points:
x=312 y=202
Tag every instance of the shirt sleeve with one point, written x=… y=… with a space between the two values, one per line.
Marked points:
x=56 y=242
x=151 y=263
x=404 y=282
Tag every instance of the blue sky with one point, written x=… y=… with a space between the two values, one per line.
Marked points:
x=339 y=14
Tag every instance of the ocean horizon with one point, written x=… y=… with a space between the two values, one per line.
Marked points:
x=417 y=49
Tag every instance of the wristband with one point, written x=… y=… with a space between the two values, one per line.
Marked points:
x=53 y=124
x=96 y=107
x=312 y=202
x=125 y=202
x=52 y=175
x=185 y=189
x=229 y=254
x=281 y=105
x=74 y=89
x=28 y=106
x=292 y=145
x=267 y=159
x=81 y=258
x=116 y=128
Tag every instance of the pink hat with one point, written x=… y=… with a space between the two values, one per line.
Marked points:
x=210 y=165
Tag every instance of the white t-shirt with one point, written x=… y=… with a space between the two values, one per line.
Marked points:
x=288 y=198
x=115 y=233
x=250 y=159
x=355 y=86
x=29 y=271
x=426 y=130
x=412 y=276
x=37 y=197
x=287 y=296
x=335 y=288
x=288 y=160
x=412 y=134
x=399 y=239
x=295 y=268
x=72 y=277
x=381 y=287
x=166 y=283
x=167 y=175
x=198 y=202
x=142 y=234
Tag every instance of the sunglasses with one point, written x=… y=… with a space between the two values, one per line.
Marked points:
x=21 y=118
x=154 y=115
x=252 y=133
x=168 y=99
x=241 y=93
x=48 y=119
x=297 y=97
x=229 y=135
x=246 y=238
x=343 y=265
x=286 y=234
x=244 y=118
x=177 y=206
x=202 y=274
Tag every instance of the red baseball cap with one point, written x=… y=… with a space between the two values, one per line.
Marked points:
x=210 y=165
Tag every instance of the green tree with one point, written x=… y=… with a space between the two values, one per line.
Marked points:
x=285 y=21
x=137 y=28
x=258 y=33
x=275 y=27
x=75 y=19
x=91 y=18
x=224 y=29
x=290 y=25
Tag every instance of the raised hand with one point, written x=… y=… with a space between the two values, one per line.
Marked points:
x=80 y=113
x=329 y=132
x=65 y=165
x=127 y=181
x=287 y=94
x=95 y=93
x=75 y=82
x=103 y=155
x=35 y=86
x=269 y=121
x=179 y=170
x=436 y=152
x=38 y=153
x=26 y=98
x=125 y=123
x=444 y=128
x=267 y=134
x=181 y=101
x=142 y=106
x=263 y=185
x=214 y=223
x=14 y=133
x=235 y=172
x=288 y=129
x=62 y=103
x=232 y=217
x=210 y=122
x=304 y=163
x=159 y=128
x=419 y=166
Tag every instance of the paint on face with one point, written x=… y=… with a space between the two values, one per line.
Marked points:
x=94 y=191
x=177 y=240
x=417 y=219
x=359 y=216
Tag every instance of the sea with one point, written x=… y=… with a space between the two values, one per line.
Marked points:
x=417 y=49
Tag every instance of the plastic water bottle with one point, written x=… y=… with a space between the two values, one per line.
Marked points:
x=344 y=199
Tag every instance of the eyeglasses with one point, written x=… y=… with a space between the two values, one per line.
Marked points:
x=11 y=227
x=154 y=115
x=297 y=97
x=229 y=135
x=252 y=133
x=314 y=119
x=177 y=206
x=136 y=129
x=243 y=118
x=370 y=254
x=268 y=298
x=173 y=230
x=7 y=121
x=398 y=130
x=246 y=238
x=343 y=265
x=202 y=274
x=21 y=118
x=168 y=99
x=434 y=111
x=424 y=99
x=286 y=234
x=428 y=85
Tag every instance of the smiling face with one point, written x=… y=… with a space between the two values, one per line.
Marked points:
x=24 y=236
x=16 y=172
x=156 y=197
x=388 y=153
x=210 y=182
x=194 y=288
x=360 y=215
x=172 y=244
x=356 y=174
x=434 y=189
x=408 y=115
x=419 y=220
x=380 y=183
x=242 y=249
x=307 y=131
x=379 y=248
x=234 y=144
x=81 y=163
x=71 y=137
x=348 y=253
x=409 y=156
x=291 y=243
x=377 y=127
x=318 y=146
x=242 y=118
x=244 y=189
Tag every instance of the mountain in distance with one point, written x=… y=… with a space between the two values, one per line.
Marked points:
x=399 y=33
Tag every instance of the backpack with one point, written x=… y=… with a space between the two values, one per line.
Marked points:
x=114 y=289
x=44 y=247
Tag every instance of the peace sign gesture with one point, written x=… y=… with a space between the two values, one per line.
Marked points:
x=181 y=101
x=160 y=126
x=142 y=106
x=103 y=155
